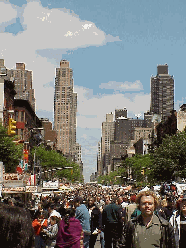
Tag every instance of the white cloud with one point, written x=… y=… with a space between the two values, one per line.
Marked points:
x=48 y=33
x=122 y=86
x=7 y=12
x=92 y=111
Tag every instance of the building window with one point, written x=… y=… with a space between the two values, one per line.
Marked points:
x=22 y=117
x=16 y=116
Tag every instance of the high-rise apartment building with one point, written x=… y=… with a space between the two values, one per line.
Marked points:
x=107 y=137
x=23 y=84
x=65 y=108
x=162 y=92
x=99 y=163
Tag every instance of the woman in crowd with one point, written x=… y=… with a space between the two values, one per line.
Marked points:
x=70 y=234
x=15 y=227
x=178 y=221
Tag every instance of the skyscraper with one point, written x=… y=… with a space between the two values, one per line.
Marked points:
x=23 y=83
x=107 y=137
x=162 y=92
x=65 y=108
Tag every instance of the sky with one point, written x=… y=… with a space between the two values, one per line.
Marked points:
x=113 y=46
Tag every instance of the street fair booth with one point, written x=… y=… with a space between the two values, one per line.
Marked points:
x=17 y=186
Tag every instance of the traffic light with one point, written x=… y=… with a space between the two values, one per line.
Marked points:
x=11 y=126
x=142 y=172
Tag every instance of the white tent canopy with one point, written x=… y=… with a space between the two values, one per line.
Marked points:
x=145 y=189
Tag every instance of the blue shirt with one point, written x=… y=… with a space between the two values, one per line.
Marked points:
x=82 y=214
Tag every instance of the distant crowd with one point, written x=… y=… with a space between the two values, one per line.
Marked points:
x=81 y=217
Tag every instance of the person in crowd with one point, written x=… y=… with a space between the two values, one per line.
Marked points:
x=106 y=202
x=178 y=221
x=12 y=202
x=99 y=201
x=15 y=227
x=148 y=230
x=95 y=221
x=38 y=224
x=112 y=223
x=83 y=216
x=169 y=209
x=132 y=206
x=51 y=232
x=52 y=211
x=70 y=233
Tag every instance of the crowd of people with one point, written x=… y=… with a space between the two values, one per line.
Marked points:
x=79 y=218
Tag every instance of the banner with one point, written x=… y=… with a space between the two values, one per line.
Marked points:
x=32 y=189
x=33 y=180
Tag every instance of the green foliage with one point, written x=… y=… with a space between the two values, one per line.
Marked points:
x=10 y=153
x=170 y=158
x=50 y=159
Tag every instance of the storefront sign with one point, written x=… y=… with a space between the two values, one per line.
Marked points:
x=32 y=189
x=10 y=176
x=14 y=183
x=13 y=190
x=50 y=185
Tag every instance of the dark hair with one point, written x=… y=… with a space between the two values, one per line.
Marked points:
x=37 y=214
x=70 y=212
x=15 y=227
x=78 y=199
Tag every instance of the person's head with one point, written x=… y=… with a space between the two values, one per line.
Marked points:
x=119 y=200
x=15 y=227
x=98 y=198
x=164 y=202
x=77 y=201
x=12 y=202
x=147 y=202
x=91 y=201
x=170 y=201
x=53 y=220
x=107 y=200
x=40 y=207
x=181 y=205
x=133 y=198
x=70 y=212
x=51 y=207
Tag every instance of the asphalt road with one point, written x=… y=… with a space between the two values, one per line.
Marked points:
x=98 y=244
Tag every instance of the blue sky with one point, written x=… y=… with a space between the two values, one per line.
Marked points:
x=113 y=47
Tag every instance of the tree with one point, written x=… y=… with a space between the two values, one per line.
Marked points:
x=170 y=158
x=50 y=159
x=10 y=152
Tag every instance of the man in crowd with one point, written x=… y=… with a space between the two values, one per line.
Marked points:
x=83 y=216
x=112 y=223
x=148 y=230
x=95 y=221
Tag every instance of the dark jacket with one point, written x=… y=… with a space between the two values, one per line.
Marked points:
x=112 y=214
x=96 y=219
x=167 y=234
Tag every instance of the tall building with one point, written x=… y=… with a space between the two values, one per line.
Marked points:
x=65 y=108
x=99 y=163
x=162 y=92
x=107 y=137
x=23 y=84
